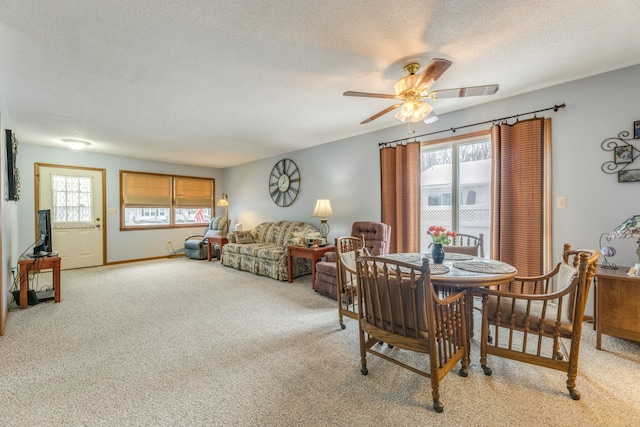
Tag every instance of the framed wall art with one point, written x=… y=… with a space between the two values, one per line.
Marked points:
x=13 y=175
x=636 y=129
x=631 y=175
x=624 y=154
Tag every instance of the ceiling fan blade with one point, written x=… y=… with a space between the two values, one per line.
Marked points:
x=381 y=113
x=369 y=95
x=431 y=118
x=464 y=91
x=432 y=73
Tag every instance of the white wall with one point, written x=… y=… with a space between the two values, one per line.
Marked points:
x=121 y=245
x=347 y=171
x=8 y=211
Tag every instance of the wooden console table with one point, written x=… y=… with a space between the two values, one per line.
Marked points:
x=220 y=240
x=617 y=309
x=313 y=253
x=32 y=265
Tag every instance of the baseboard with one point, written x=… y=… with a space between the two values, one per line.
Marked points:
x=139 y=259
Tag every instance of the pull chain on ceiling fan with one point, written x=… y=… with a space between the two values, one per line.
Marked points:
x=413 y=87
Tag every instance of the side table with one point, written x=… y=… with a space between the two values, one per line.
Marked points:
x=212 y=240
x=30 y=265
x=617 y=309
x=313 y=253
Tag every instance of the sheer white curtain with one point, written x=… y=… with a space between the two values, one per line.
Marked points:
x=72 y=202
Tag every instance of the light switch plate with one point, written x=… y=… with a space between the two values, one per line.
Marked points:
x=561 y=202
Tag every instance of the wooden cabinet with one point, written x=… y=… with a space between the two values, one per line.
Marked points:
x=617 y=310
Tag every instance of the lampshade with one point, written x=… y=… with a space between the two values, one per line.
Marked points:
x=628 y=230
x=323 y=209
x=76 y=144
x=414 y=110
x=225 y=203
x=223 y=200
x=607 y=251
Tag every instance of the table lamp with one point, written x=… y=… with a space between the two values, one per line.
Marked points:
x=627 y=230
x=323 y=210
x=607 y=251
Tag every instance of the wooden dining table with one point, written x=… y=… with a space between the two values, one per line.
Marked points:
x=462 y=271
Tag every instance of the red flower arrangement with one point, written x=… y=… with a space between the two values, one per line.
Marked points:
x=440 y=235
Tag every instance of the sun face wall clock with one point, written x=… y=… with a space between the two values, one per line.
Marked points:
x=284 y=182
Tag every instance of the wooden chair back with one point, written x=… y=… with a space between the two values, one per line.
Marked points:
x=347 y=249
x=398 y=305
x=530 y=327
x=466 y=244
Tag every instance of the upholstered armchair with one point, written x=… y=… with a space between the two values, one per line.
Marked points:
x=196 y=247
x=377 y=238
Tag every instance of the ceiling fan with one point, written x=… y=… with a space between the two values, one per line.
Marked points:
x=411 y=89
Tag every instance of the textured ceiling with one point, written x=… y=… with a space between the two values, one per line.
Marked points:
x=220 y=83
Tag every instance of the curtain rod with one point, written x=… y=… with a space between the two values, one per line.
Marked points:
x=555 y=108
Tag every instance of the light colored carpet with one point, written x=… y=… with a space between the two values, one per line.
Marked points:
x=185 y=342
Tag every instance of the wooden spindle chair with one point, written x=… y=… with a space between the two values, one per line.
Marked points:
x=397 y=305
x=530 y=317
x=466 y=244
x=346 y=249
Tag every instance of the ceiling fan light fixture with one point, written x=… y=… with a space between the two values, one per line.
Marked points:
x=408 y=82
x=405 y=84
x=413 y=110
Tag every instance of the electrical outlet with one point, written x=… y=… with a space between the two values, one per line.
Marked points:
x=112 y=211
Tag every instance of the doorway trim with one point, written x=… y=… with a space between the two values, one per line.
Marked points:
x=36 y=181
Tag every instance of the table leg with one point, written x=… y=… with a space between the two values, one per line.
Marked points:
x=56 y=281
x=595 y=302
x=469 y=312
x=290 y=267
x=24 y=284
x=313 y=272
x=209 y=249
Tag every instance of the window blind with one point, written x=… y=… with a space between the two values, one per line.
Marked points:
x=140 y=189
x=193 y=192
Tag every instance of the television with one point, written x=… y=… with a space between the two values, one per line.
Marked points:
x=43 y=244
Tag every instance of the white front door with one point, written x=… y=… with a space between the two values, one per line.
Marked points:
x=77 y=214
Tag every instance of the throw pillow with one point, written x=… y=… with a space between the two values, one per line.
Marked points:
x=244 y=237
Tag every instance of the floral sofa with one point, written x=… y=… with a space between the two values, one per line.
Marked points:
x=263 y=250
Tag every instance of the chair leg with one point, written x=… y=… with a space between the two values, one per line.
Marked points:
x=484 y=345
x=435 y=393
x=363 y=354
x=575 y=394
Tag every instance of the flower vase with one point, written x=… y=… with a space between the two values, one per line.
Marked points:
x=437 y=253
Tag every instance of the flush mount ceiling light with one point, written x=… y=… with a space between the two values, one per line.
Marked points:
x=76 y=144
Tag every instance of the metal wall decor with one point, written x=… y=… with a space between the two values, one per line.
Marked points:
x=624 y=153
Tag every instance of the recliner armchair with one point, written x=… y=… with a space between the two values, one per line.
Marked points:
x=377 y=238
x=196 y=246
